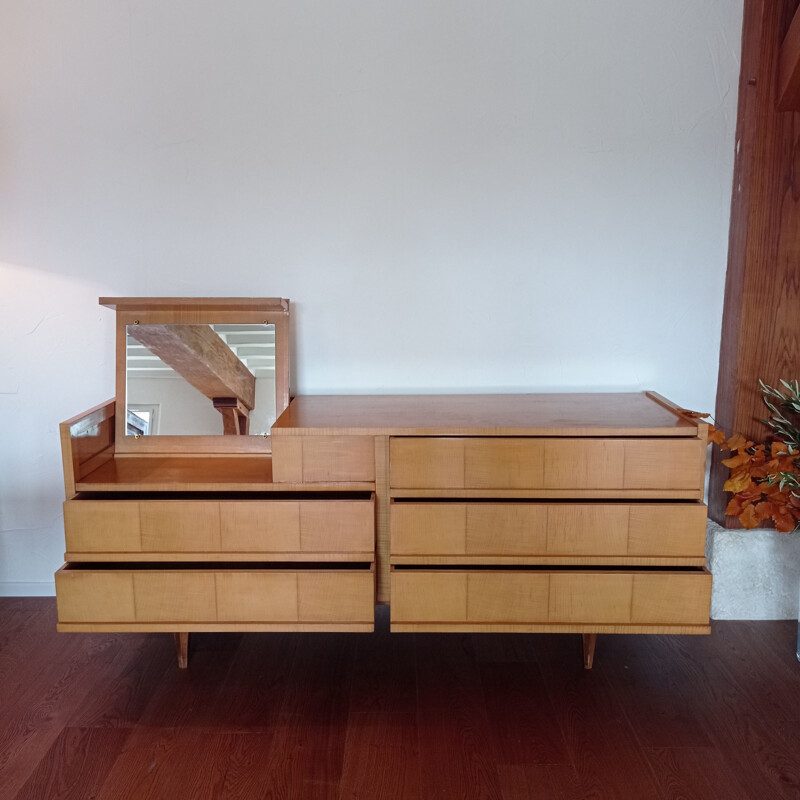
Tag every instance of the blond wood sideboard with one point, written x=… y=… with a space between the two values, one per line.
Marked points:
x=528 y=513
x=577 y=513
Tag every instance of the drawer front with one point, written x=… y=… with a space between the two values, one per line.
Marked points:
x=229 y=528
x=540 y=597
x=237 y=596
x=559 y=464
x=323 y=459
x=548 y=529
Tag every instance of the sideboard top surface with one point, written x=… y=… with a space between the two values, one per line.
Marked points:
x=611 y=414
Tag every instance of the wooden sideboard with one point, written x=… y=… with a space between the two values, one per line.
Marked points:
x=528 y=513
x=570 y=513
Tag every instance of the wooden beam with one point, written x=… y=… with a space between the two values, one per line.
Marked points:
x=789 y=68
x=235 y=417
x=760 y=323
x=201 y=358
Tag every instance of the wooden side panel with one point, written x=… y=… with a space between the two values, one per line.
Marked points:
x=590 y=597
x=287 y=459
x=668 y=599
x=414 y=463
x=429 y=596
x=506 y=528
x=676 y=464
x=337 y=526
x=508 y=597
x=587 y=529
x=336 y=596
x=511 y=463
x=174 y=596
x=419 y=528
x=95 y=596
x=657 y=529
x=95 y=526
x=176 y=525
x=256 y=526
x=256 y=596
x=584 y=463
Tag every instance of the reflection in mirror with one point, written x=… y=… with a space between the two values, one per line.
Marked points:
x=200 y=380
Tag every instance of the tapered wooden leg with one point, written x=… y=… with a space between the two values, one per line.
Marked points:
x=182 y=649
x=589 y=641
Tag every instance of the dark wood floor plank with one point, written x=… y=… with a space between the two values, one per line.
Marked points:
x=694 y=773
x=595 y=728
x=521 y=716
x=333 y=716
x=660 y=695
x=33 y=722
x=542 y=782
x=76 y=765
x=455 y=750
x=160 y=763
x=381 y=760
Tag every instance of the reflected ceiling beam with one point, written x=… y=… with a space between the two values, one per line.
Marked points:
x=201 y=358
x=789 y=68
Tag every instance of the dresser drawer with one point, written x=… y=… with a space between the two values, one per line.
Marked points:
x=540 y=599
x=494 y=532
x=323 y=459
x=126 y=597
x=658 y=466
x=341 y=529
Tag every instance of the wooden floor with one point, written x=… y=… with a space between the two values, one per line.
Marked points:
x=396 y=716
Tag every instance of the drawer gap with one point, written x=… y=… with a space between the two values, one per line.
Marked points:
x=542 y=568
x=261 y=496
x=216 y=566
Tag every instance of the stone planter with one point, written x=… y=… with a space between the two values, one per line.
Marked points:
x=756 y=573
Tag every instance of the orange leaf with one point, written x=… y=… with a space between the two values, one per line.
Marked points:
x=738 y=481
x=737 y=442
x=749 y=518
x=715 y=436
x=737 y=461
x=784 y=521
x=693 y=414
x=779 y=448
x=763 y=510
x=735 y=507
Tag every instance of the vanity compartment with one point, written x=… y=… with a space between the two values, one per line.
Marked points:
x=540 y=532
x=668 y=467
x=300 y=527
x=322 y=459
x=170 y=597
x=546 y=599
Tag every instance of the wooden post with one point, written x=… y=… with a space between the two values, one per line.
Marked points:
x=589 y=642
x=760 y=323
x=182 y=649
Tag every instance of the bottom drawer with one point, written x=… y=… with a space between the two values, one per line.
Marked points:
x=512 y=599
x=175 y=597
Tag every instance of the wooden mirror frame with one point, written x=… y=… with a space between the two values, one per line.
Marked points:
x=198 y=310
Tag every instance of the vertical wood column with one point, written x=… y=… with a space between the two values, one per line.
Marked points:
x=761 y=316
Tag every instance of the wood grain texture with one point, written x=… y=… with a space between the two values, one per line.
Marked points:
x=137 y=598
x=490 y=530
x=633 y=414
x=489 y=716
x=486 y=598
x=556 y=464
x=760 y=326
x=789 y=68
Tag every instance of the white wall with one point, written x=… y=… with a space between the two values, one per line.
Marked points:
x=455 y=194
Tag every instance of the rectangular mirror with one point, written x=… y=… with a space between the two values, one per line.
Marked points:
x=200 y=380
x=200 y=375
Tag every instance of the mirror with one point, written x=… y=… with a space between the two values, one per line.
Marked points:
x=199 y=379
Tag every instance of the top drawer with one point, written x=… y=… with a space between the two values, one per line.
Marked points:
x=561 y=466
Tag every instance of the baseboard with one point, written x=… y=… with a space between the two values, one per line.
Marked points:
x=27 y=588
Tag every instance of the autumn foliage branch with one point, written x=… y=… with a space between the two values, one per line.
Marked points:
x=765 y=478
